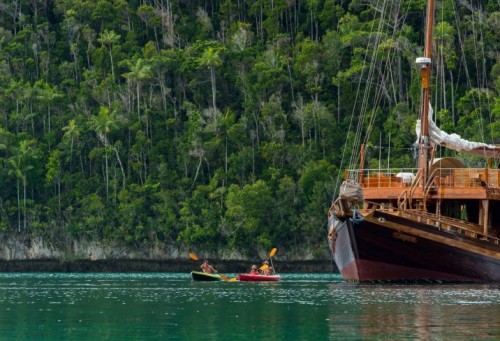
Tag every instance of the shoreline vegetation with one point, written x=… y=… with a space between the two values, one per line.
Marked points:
x=216 y=125
x=164 y=265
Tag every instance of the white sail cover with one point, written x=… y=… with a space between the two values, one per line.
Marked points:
x=351 y=190
x=456 y=142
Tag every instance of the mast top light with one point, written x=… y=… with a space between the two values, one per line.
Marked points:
x=423 y=61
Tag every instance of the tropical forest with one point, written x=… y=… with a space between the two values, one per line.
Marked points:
x=222 y=126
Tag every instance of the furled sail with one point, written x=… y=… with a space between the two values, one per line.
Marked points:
x=456 y=142
x=351 y=190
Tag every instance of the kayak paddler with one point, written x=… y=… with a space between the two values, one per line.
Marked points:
x=207 y=268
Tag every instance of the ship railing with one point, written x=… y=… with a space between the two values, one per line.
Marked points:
x=378 y=178
x=468 y=178
x=429 y=185
x=414 y=186
x=440 y=177
x=405 y=199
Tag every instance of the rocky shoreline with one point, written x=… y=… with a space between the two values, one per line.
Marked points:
x=172 y=265
x=35 y=254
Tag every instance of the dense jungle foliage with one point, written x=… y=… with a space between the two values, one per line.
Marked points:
x=220 y=123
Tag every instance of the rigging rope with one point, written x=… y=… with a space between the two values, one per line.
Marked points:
x=366 y=106
x=481 y=81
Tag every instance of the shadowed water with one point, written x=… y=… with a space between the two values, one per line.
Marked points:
x=135 y=306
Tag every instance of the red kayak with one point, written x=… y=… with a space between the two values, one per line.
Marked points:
x=258 y=278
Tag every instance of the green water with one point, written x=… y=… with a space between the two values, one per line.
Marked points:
x=300 y=307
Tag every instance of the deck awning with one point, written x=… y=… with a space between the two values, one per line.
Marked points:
x=446 y=163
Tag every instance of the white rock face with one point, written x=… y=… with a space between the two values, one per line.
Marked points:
x=37 y=249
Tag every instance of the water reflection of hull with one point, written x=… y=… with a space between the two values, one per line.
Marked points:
x=385 y=247
x=400 y=312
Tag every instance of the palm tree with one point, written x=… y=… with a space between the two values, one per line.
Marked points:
x=48 y=94
x=109 y=38
x=103 y=124
x=71 y=132
x=20 y=165
x=139 y=72
x=211 y=59
x=16 y=172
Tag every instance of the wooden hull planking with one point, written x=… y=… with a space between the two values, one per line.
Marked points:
x=388 y=248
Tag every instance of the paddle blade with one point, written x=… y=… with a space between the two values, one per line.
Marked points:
x=264 y=267
x=193 y=256
x=224 y=278
x=273 y=252
x=233 y=279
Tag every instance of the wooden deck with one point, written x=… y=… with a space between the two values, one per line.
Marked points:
x=449 y=183
x=456 y=226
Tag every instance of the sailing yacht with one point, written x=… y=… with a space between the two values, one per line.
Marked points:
x=438 y=223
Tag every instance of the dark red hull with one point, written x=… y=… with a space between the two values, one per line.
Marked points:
x=388 y=248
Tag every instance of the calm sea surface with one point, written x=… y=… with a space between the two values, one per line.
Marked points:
x=95 y=306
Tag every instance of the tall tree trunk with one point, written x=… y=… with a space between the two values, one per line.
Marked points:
x=18 y=207
x=138 y=102
x=112 y=65
x=24 y=203
x=452 y=98
x=214 y=89
x=400 y=79
x=121 y=167
x=106 y=172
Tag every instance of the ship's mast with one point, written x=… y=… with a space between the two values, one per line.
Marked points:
x=425 y=62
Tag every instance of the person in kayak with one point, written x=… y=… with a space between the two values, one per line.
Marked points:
x=254 y=270
x=207 y=268
x=267 y=269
